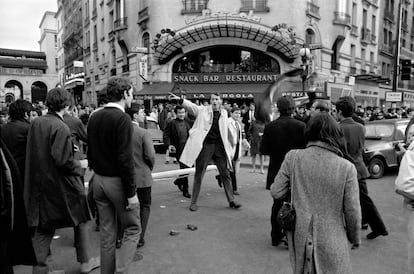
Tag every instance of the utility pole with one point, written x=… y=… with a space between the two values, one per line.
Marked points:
x=397 y=49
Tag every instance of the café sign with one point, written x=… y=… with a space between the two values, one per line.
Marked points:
x=223 y=78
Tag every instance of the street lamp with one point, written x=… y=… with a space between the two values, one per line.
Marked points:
x=305 y=55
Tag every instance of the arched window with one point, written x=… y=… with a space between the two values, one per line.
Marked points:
x=309 y=37
x=146 y=40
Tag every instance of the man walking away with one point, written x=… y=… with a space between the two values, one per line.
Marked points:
x=175 y=136
x=53 y=191
x=114 y=188
x=355 y=138
x=144 y=158
x=280 y=136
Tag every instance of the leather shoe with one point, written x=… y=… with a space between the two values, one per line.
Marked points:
x=236 y=192
x=234 y=204
x=186 y=194
x=220 y=183
x=364 y=226
x=141 y=243
x=374 y=234
x=193 y=207
x=118 y=244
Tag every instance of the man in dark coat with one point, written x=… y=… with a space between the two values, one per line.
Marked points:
x=15 y=241
x=53 y=191
x=175 y=136
x=355 y=138
x=248 y=117
x=280 y=136
x=14 y=133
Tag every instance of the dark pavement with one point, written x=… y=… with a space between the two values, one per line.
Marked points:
x=236 y=241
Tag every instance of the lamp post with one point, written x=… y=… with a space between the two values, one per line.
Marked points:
x=305 y=55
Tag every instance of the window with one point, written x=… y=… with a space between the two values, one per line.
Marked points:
x=56 y=64
x=146 y=40
x=353 y=52
x=309 y=37
x=374 y=24
x=194 y=5
x=371 y=57
x=390 y=38
x=226 y=59
x=120 y=9
x=256 y=5
x=384 y=68
x=364 y=18
x=56 y=41
x=385 y=36
x=354 y=14
x=363 y=54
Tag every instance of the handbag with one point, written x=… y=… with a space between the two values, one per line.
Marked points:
x=404 y=183
x=286 y=216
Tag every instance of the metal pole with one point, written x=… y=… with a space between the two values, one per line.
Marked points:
x=397 y=50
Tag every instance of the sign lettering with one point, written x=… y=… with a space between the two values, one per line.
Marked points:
x=224 y=78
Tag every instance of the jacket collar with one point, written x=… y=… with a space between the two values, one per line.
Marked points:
x=56 y=115
x=347 y=120
x=326 y=146
x=115 y=105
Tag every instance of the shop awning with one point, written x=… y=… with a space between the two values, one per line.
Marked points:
x=201 y=91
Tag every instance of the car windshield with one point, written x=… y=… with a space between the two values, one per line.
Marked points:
x=379 y=130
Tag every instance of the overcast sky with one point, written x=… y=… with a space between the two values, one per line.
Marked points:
x=19 y=22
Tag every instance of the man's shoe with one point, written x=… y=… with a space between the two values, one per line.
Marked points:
x=91 y=265
x=180 y=187
x=364 y=226
x=220 y=183
x=374 y=235
x=193 y=207
x=186 y=194
x=236 y=192
x=235 y=205
x=141 y=243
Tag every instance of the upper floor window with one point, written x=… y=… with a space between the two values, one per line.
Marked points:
x=256 y=5
x=194 y=6
x=146 y=40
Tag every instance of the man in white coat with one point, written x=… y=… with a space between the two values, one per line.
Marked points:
x=209 y=139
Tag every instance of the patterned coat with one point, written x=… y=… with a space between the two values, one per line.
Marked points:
x=328 y=212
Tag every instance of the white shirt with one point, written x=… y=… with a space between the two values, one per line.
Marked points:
x=115 y=105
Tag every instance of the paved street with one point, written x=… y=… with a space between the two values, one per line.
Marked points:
x=235 y=241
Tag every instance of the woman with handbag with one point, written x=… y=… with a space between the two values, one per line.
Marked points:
x=324 y=198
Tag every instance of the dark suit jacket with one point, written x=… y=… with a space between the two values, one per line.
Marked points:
x=171 y=136
x=144 y=156
x=245 y=121
x=280 y=136
x=14 y=135
x=355 y=140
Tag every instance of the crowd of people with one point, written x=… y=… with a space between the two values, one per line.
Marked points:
x=312 y=154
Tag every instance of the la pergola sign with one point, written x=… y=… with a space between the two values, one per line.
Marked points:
x=223 y=78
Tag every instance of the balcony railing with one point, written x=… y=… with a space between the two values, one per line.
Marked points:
x=353 y=70
x=125 y=68
x=365 y=35
x=87 y=50
x=255 y=5
x=404 y=26
x=386 y=49
x=354 y=30
x=143 y=15
x=113 y=71
x=313 y=10
x=109 y=2
x=97 y=78
x=389 y=15
x=342 y=18
x=111 y=36
x=121 y=23
x=95 y=46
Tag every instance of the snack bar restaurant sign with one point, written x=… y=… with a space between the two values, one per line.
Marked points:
x=224 y=78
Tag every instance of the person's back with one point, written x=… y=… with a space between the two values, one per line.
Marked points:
x=107 y=131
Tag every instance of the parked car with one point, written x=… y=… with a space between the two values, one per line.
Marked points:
x=156 y=133
x=381 y=137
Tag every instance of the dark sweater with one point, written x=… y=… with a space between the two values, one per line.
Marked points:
x=110 y=146
x=213 y=136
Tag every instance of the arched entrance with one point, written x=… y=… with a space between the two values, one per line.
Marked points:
x=39 y=91
x=9 y=98
x=14 y=87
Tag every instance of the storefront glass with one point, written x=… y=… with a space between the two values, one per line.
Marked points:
x=226 y=59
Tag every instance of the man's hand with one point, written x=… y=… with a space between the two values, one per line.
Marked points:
x=171 y=149
x=173 y=98
x=84 y=163
x=132 y=202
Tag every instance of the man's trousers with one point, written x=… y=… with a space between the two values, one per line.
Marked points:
x=369 y=211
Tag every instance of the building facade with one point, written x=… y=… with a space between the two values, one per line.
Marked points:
x=60 y=49
x=237 y=47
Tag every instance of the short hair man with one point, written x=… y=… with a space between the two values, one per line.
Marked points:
x=54 y=193
x=144 y=158
x=236 y=153
x=175 y=137
x=208 y=141
x=14 y=133
x=110 y=156
x=355 y=138
x=280 y=136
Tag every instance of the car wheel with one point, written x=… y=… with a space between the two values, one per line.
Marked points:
x=376 y=168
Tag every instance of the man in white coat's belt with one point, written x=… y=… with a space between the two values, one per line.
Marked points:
x=208 y=140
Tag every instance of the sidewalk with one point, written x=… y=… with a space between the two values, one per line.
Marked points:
x=246 y=162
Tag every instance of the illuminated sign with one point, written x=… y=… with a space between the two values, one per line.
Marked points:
x=200 y=78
